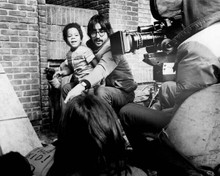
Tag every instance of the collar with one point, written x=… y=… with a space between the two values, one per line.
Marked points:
x=194 y=28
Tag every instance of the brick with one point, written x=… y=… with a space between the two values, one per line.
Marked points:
x=32 y=14
x=30 y=105
x=7 y=64
x=17 y=13
x=28 y=20
x=10 y=45
x=12 y=70
x=33 y=51
x=29 y=58
x=16 y=82
x=28 y=33
x=20 y=51
x=31 y=93
x=134 y=9
x=41 y=1
x=33 y=27
x=25 y=99
x=33 y=39
x=42 y=7
x=22 y=87
x=8 y=6
x=26 y=8
x=29 y=69
x=22 y=76
x=9 y=32
x=11 y=58
x=4 y=51
x=42 y=13
x=31 y=81
x=3 y=12
x=34 y=63
x=17 y=1
x=4 y=38
x=20 y=64
x=18 y=39
x=35 y=86
x=28 y=45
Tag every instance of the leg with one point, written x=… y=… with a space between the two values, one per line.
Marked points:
x=167 y=94
x=139 y=122
x=115 y=97
x=141 y=119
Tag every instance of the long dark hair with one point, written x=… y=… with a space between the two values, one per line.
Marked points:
x=90 y=139
x=103 y=21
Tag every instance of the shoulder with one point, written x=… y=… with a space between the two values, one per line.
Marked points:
x=83 y=49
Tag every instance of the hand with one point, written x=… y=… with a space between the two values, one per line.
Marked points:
x=58 y=74
x=77 y=90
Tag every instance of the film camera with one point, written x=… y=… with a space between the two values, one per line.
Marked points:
x=156 y=39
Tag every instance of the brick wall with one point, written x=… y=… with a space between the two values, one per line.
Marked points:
x=30 y=34
x=128 y=15
x=19 y=51
x=101 y=5
x=53 y=49
x=123 y=15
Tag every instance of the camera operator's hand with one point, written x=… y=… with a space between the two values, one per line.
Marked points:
x=77 y=90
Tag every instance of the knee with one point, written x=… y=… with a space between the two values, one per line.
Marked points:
x=124 y=114
x=168 y=89
x=168 y=85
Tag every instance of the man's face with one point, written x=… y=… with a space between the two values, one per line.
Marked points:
x=98 y=35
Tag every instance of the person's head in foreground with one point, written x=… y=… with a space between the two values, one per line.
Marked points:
x=90 y=139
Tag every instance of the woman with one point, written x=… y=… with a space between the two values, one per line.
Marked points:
x=91 y=141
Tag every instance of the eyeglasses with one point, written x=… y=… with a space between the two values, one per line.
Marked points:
x=101 y=33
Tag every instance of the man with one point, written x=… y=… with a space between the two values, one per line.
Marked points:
x=113 y=70
x=197 y=64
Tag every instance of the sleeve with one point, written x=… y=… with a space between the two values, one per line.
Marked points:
x=105 y=66
x=88 y=54
x=85 y=52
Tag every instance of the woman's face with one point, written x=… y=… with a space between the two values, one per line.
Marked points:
x=73 y=38
x=98 y=35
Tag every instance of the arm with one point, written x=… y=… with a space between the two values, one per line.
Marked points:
x=105 y=66
x=94 y=62
x=64 y=70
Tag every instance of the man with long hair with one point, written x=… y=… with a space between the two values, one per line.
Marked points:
x=115 y=72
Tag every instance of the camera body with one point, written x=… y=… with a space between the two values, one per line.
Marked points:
x=156 y=40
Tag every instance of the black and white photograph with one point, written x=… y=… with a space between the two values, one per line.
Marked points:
x=110 y=87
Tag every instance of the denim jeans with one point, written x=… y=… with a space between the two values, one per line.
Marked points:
x=115 y=97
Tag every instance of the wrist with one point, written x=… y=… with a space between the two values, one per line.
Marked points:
x=85 y=83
